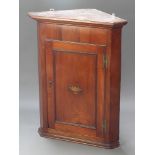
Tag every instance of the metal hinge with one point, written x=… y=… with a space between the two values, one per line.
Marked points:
x=105 y=61
x=104 y=125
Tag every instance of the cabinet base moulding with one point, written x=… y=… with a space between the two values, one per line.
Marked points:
x=48 y=133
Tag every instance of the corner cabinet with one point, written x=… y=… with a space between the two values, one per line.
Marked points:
x=79 y=75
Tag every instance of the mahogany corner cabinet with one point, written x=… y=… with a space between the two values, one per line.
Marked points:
x=79 y=58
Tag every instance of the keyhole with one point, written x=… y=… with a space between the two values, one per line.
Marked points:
x=51 y=82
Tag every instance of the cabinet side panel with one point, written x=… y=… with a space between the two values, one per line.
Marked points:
x=42 y=81
x=115 y=77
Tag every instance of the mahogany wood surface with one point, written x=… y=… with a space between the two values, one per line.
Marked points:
x=79 y=82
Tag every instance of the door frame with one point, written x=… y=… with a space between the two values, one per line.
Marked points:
x=100 y=50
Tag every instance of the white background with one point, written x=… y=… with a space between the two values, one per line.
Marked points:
x=30 y=141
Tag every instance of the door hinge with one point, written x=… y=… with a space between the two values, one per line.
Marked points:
x=105 y=61
x=104 y=125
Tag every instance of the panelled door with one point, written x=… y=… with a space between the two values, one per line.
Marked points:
x=75 y=87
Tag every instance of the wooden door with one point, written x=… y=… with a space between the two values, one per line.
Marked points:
x=75 y=87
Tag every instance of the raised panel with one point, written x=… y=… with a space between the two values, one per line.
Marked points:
x=76 y=108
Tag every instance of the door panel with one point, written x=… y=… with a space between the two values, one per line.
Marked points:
x=75 y=71
x=75 y=86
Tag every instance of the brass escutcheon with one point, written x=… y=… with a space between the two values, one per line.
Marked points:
x=75 y=89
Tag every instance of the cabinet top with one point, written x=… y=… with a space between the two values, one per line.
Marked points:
x=83 y=16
